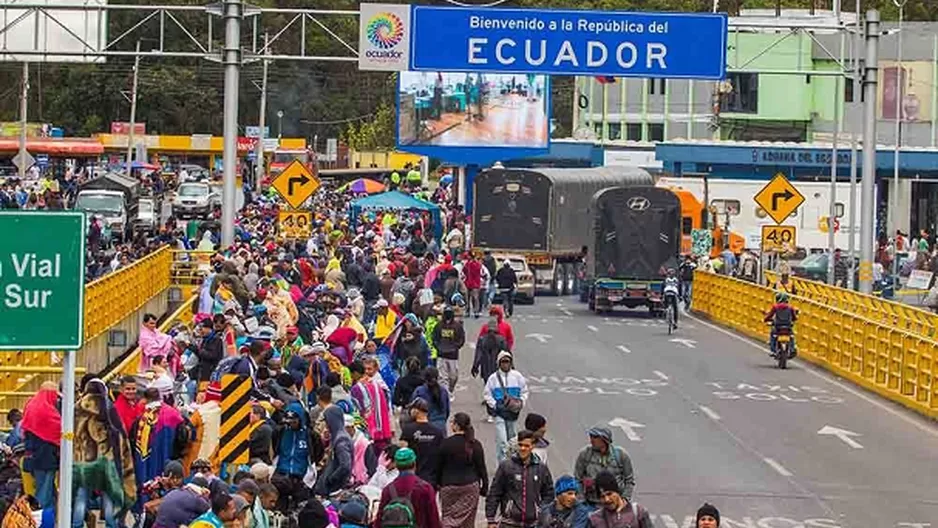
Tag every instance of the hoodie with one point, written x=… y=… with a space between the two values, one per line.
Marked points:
x=590 y=462
x=338 y=471
x=293 y=449
x=504 y=329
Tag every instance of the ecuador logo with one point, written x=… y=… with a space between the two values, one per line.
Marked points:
x=385 y=30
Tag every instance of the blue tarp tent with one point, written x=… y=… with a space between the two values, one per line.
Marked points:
x=397 y=201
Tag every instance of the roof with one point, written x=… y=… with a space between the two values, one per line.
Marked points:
x=393 y=200
x=54 y=147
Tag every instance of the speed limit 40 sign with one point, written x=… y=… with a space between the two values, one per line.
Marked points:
x=778 y=238
x=296 y=224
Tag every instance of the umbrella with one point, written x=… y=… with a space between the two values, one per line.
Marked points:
x=446 y=179
x=363 y=185
x=143 y=165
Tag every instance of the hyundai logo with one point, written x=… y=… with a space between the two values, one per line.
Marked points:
x=639 y=203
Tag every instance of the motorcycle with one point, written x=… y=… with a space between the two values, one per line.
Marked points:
x=784 y=347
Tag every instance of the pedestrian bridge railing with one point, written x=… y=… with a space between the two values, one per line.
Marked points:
x=108 y=301
x=131 y=363
x=877 y=354
x=910 y=318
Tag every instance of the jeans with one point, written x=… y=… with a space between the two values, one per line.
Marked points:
x=670 y=298
x=687 y=290
x=45 y=487
x=449 y=373
x=80 y=509
x=508 y=300
x=475 y=301
x=505 y=430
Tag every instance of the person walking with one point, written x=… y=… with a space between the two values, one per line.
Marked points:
x=603 y=455
x=448 y=337
x=485 y=363
x=462 y=474
x=408 y=496
x=617 y=511
x=472 y=276
x=521 y=487
x=425 y=439
x=567 y=511
x=42 y=429
x=436 y=396
x=506 y=392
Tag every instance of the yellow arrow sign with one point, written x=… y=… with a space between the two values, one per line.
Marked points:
x=296 y=183
x=779 y=198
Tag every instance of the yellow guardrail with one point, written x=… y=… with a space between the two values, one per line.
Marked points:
x=895 y=362
x=910 y=318
x=189 y=268
x=130 y=364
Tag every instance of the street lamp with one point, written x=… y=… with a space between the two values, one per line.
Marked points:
x=895 y=161
x=279 y=124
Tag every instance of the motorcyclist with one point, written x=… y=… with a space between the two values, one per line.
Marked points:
x=783 y=317
x=507 y=281
x=672 y=291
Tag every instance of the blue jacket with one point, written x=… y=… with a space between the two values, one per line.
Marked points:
x=576 y=517
x=439 y=412
x=294 y=445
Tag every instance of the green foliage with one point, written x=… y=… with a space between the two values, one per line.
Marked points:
x=376 y=132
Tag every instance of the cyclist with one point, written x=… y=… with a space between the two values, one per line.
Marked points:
x=782 y=316
x=671 y=292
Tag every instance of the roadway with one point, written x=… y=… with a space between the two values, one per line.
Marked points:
x=705 y=416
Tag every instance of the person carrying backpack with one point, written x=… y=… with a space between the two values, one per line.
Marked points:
x=602 y=455
x=408 y=501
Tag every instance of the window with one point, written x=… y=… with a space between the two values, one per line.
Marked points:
x=655 y=131
x=848 y=91
x=744 y=96
x=687 y=225
x=633 y=131
x=839 y=210
x=726 y=206
x=615 y=131
x=657 y=86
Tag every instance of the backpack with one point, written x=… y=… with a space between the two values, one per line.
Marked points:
x=398 y=512
x=225 y=366
x=784 y=318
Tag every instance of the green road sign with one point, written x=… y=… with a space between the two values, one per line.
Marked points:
x=42 y=290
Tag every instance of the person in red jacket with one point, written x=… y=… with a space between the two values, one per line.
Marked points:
x=504 y=327
x=128 y=404
x=412 y=488
x=472 y=275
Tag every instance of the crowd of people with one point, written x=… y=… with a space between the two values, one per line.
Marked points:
x=351 y=342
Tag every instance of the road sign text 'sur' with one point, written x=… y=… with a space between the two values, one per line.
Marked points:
x=42 y=270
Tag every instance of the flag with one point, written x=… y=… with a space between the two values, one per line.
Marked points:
x=606 y=79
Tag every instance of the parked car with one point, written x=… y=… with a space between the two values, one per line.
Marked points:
x=195 y=200
x=525 y=290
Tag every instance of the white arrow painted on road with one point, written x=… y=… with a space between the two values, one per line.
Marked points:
x=628 y=428
x=843 y=434
x=543 y=338
x=689 y=343
x=624 y=349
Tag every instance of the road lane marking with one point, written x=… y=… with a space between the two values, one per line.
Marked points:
x=566 y=312
x=710 y=413
x=592 y=328
x=624 y=349
x=778 y=467
x=843 y=434
x=628 y=428
x=661 y=375
x=827 y=377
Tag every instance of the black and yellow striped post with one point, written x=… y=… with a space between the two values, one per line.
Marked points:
x=235 y=419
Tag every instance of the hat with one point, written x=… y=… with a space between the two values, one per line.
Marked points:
x=261 y=471
x=420 y=404
x=201 y=463
x=241 y=503
x=709 y=509
x=319 y=347
x=207 y=323
x=306 y=350
x=249 y=486
x=213 y=392
x=355 y=512
x=173 y=469
x=600 y=432
x=564 y=484
x=404 y=457
x=349 y=420
x=606 y=481
x=382 y=303
x=503 y=355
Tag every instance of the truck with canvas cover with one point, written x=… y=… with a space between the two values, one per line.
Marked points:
x=540 y=213
x=636 y=237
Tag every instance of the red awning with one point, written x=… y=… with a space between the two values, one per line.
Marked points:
x=54 y=147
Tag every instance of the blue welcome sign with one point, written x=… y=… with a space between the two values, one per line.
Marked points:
x=569 y=42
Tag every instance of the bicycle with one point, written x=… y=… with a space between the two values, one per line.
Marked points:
x=669 y=314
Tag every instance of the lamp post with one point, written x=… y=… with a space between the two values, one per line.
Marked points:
x=895 y=161
x=279 y=124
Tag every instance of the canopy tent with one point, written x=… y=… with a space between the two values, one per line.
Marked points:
x=397 y=201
